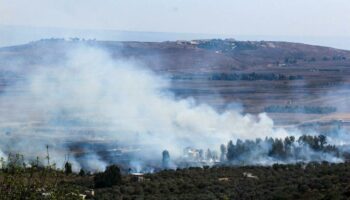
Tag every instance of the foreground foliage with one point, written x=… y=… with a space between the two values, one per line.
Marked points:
x=294 y=181
x=19 y=180
x=299 y=181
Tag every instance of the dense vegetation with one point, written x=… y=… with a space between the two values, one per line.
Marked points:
x=254 y=77
x=237 y=77
x=233 y=178
x=111 y=176
x=294 y=181
x=289 y=150
x=300 y=181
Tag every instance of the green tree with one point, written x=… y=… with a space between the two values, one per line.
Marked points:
x=68 y=168
x=111 y=176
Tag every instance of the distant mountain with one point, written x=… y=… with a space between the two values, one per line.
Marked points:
x=183 y=56
x=15 y=35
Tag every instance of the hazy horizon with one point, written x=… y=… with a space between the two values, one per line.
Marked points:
x=320 y=22
x=17 y=35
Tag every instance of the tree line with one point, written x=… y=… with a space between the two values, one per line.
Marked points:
x=269 y=150
x=300 y=109
x=254 y=77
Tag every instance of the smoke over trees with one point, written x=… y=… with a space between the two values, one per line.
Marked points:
x=288 y=150
x=89 y=95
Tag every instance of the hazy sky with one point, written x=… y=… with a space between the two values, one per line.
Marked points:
x=242 y=17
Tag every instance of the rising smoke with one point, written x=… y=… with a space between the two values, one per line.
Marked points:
x=90 y=96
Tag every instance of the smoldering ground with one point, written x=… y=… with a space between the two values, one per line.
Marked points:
x=88 y=96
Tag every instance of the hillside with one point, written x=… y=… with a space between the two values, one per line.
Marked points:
x=258 y=75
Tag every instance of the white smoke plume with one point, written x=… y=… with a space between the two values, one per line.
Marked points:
x=90 y=96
